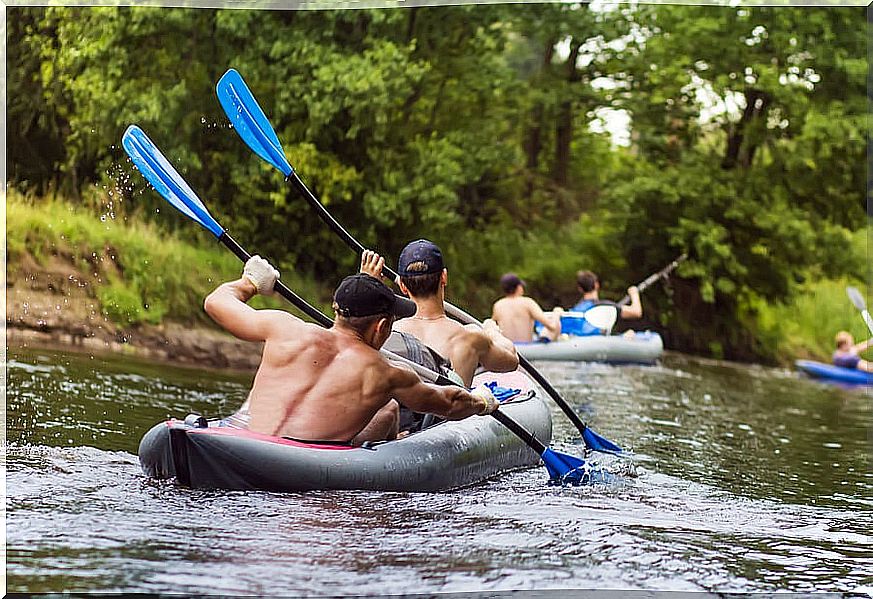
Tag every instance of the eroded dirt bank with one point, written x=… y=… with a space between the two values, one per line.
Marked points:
x=53 y=306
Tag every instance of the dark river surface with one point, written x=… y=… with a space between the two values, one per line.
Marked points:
x=747 y=479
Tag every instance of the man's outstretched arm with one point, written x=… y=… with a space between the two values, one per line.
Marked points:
x=449 y=402
x=552 y=322
x=635 y=310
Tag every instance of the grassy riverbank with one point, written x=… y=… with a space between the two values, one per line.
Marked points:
x=805 y=327
x=137 y=273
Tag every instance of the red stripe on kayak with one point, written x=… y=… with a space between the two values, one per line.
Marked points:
x=238 y=432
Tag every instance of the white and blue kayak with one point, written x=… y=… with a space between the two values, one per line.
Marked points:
x=645 y=347
x=836 y=374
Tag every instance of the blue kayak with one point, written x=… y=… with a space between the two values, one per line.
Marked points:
x=837 y=374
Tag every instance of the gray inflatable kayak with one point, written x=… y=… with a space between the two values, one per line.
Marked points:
x=212 y=454
x=643 y=348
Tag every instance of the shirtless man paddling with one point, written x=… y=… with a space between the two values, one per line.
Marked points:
x=423 y=277
x=331 y=384
x=515 y=313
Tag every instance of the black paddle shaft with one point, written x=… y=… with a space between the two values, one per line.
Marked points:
x=651 y=279
x=452 y=310
x=298 y=302
x=520 y=431
x=331 y=222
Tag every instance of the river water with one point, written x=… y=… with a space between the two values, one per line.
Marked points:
x=746 y=480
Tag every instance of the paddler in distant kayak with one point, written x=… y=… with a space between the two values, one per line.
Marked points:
x=589 y=286
x=516 y=313
x=331 y=385
x=423 y=276
x=847 y=352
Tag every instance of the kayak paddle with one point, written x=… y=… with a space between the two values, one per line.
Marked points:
x=254 y=128
x=167 y=181
x=650 y=280
x=172 y=187
x=601 y=316
x=856 y=298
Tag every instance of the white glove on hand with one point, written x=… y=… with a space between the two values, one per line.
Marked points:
x=261 y=274
x=491 y=403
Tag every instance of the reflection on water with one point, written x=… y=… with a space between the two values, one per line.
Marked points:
x=748 y=480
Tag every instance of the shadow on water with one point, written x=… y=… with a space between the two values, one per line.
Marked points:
x=748 y=479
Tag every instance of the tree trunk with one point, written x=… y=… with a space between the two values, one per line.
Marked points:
x=564 y=124
x=741 y=151
x=410 y=24
x=533 y=143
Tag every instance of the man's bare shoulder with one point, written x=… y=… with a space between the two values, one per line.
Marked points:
x=532 y=304
x=402 y=325
x=284 y=324
x=502 y=302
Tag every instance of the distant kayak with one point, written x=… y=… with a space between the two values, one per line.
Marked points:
x=838 y=374
x=643 y=348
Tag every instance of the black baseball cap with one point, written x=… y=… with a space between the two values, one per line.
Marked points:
x=363 y=295
x=420 y=250
x=510 y=281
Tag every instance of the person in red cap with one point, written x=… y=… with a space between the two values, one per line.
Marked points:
x=515 y=314
x=331 y=385
x=423 y=277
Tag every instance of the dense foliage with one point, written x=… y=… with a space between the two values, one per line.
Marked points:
x=481 y=127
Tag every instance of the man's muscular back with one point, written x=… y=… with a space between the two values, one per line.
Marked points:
x=316 y=384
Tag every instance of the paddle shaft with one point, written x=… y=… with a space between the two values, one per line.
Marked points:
x=328 y=218
x=298 y=302
x=451 y=309
x=858 y=300
x=653 y=278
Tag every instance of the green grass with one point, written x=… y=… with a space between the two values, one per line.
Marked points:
x=139 y=273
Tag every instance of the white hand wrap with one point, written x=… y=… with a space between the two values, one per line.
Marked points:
x=261 y=274
x=491 y=402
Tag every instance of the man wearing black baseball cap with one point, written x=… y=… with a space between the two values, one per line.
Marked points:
x=515 y=313
x=423 y=276
x=331 y=385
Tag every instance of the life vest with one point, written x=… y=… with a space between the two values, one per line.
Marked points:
x=409 y=347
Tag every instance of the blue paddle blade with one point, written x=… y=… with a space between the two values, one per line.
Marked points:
x=565 y=469
x=165 y=179
x=250 y=121
x=594 y=441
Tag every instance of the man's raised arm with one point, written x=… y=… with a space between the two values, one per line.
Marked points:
x=227 y=304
